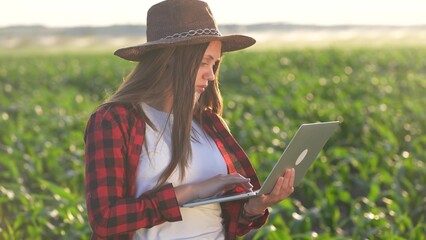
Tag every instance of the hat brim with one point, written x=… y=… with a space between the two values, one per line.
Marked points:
x=229 y=43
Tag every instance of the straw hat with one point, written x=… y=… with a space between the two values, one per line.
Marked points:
x=182 y=22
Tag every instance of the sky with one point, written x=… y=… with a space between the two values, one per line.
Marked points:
x=69 y=13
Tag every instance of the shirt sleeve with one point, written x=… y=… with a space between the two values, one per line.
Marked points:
x=231 y=213
x=110 y=211
x=255 y=224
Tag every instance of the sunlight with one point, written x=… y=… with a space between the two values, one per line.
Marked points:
x=68 y=13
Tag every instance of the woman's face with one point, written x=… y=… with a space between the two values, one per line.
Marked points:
x=205 y=73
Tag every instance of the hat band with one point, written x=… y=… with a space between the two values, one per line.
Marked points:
x=192 y=33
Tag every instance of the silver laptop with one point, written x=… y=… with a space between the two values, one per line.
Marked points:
x=302 y=150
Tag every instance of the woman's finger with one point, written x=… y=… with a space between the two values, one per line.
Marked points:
x=287 y=176
x=248 y=187
x=233 y=180
x=293 y=175
x=288 y=187
x=278 y=185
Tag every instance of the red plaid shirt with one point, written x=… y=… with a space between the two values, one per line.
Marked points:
x=114 y=137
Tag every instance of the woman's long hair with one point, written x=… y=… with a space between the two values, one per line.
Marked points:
x=171 y=72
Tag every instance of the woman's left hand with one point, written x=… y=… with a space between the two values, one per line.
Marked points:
x=283 y=188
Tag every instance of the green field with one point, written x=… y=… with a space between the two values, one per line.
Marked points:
x=369 y=182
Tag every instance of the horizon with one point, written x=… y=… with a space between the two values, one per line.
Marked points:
x=62 y=14
x=224 y=24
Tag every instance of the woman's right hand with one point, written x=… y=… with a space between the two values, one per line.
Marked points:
x=216 y=185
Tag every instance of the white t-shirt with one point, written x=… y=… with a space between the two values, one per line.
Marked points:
x=203 y=222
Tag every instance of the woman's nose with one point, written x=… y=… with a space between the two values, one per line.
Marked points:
x=211 y=76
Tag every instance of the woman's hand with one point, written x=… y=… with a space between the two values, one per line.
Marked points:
x=213 y=186
x=282 y=189
x=221 y=183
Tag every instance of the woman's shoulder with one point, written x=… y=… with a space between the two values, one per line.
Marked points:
x=117 y=112
x=118 y=109
x=116 y=118
x=215 y=119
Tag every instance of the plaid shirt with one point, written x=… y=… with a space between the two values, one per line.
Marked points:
x=114 y=137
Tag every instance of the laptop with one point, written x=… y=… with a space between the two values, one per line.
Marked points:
x=300 y=153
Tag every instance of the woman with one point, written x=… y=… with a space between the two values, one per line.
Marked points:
x=159 y=141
